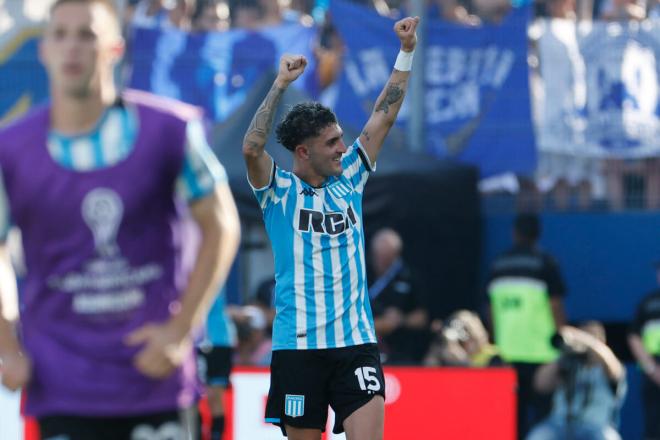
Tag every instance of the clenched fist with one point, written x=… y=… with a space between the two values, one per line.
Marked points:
x=405 y=30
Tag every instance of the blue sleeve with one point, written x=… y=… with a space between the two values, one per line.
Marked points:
x=201 y=170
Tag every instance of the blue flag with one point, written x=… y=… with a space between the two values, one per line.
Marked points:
x=476 y=97
x=23 y=81
x=216 y=70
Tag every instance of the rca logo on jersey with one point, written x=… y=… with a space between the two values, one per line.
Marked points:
x=332 y=223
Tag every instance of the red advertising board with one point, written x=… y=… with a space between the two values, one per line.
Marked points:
x=422 y=403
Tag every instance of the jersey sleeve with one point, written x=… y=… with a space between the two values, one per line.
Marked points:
x=357 y=166
x=201 y=170
x=275 y=190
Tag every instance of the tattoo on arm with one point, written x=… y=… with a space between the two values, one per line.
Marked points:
x=365 y=133
x=393 y=94
x=257 y=133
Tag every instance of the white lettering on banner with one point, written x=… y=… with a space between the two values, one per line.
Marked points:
x=371 y=72
x=619 y=64
x=457 y=78
x=448 y=66
x=448 y=104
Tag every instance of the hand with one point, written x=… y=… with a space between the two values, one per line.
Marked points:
x=578 y=340
x=394 y=317
x=291 y=67
x=405 y=30
x=390 y=320
x=15 y=370
x=164 y=348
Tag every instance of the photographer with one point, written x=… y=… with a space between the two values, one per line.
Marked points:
x=463 y=341
x=588 y=385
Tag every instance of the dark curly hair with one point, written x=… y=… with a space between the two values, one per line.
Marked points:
x=304 y=121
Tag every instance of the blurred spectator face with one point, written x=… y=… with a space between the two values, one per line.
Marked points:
x=182 y=12
x=81 y=44
x=491 y=10
x=246 y=14
x=214 y=17
x=561 y=8
x=386 y=247
x=304 y=6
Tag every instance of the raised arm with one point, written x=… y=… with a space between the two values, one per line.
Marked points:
x=390 y=99
x=165 y=344
x=258 y=161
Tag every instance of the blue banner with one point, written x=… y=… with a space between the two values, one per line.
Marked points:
x=601 y=95
x=217 y=70
x=477 y=103
x=23 y=81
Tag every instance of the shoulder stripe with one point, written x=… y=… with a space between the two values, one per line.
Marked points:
x=363 y=156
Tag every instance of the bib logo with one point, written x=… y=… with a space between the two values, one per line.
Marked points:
x=332 y=223
x=102 y=210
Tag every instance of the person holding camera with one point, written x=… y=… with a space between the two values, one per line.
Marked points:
x=644 y=343
x=588 y=386
x=462 y=341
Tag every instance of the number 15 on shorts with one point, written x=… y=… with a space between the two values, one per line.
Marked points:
x=367 y=379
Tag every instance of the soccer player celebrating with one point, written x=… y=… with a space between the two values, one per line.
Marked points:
x=324 y=346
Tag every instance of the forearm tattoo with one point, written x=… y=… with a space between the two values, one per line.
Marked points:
x=257 y=133
x=393 y=94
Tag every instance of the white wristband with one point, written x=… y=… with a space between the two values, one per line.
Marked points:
x=404 y=61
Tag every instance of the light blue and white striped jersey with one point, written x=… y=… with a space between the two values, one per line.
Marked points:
x=317 y=237
x=112 y=140
x=219 y=330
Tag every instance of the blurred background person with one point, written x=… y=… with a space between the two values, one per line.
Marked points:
x=644 y=343
x=623 y=10
x=526 y=291
x=463 y=341
x=397 y=301
x=254 y=343
x=214 y=362
x=246 y=14
x=144 y=288
x=162 y=14
x=491 y=11
x=211 y=16
x=588 y=385
x=264 y=298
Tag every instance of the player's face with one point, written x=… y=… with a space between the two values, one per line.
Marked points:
x=326 y=151
x=80 y=47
